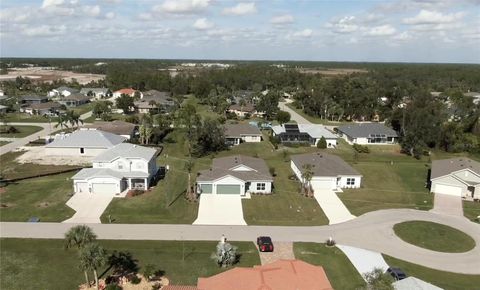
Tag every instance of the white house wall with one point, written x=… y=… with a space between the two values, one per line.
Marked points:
x=326 y=182
x=331 y=181
x=330 y=142
x=343 y=182
x=252 y=139
x=450 y=181
x=73 y=151
x=268 y=187
x=96 y=180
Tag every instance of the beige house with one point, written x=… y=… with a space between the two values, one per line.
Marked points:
x=457 y=176
x=238 y=133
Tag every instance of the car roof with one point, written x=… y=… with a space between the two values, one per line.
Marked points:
x=265 y=238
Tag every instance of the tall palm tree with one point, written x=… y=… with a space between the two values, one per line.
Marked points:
x=74 y=118
x=79 y=237
x=307 y=175
x=92 y=257
x=62 y=121
x=189 y=167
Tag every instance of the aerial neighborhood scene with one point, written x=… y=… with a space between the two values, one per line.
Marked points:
x=240 y=145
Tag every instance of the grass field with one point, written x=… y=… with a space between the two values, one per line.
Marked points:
x=471 y=210
x=21 y=117
x=445 y=280
x=2 y=143
x=45 y=264
x=433 y=236
x=340 y=271
x=42 y=197
x=24 y=131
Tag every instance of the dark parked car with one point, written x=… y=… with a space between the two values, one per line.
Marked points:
x=265 y=244
x=397 y=273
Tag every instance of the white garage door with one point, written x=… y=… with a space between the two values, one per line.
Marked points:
x=104 y=188
x=448 y=189
x=322 y=184
x=82 y=187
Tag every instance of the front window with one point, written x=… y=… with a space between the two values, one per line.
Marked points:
x=260 y=186
x=350 y=181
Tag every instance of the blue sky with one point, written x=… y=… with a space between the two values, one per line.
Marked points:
x=391 y=31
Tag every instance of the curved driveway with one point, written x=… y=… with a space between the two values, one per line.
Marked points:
x=371 y=231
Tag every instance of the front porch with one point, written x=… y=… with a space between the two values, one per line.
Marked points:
x=135 y=183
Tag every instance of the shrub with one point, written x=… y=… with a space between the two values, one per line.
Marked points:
x=135 y=192
x=275 y=141
x=148 y=271
x=322 y=143
x=113 y=286
x=361 y=149
x=135 y=280
x=272 y=171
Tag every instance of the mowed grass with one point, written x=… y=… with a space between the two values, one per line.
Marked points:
x=339 y=269
x=2 y=143
x=21 y=117
x=23 y=131
x=45 y=264
x=445 y=280
x=471 y=210
x=433 y=236
x=42 y=197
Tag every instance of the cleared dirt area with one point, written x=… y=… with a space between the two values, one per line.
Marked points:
x=37 y=155
x=49 y=75
x=332 y=71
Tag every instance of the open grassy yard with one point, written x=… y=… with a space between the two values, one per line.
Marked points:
x=433 y=236
x=339 y=269
x=315 y=120
x=23 y=131
x=22 y=117
x=45 y=264
x=445 y=280
x=471 y=210
x=42 y=197
x=82 y=109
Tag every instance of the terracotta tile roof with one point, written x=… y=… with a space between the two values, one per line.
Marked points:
x=279 y=275
x=126 y=91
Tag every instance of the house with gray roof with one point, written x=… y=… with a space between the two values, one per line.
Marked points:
x=62 y=91
x=329 y=171
x=122 y=167
x=117 y=127
x=96 y=93
x=74 y=100
x=238 y=133
x=456 y=176
x=83 y=143
x=154 y=100
x=237 y=175
x=304 y=133
x=33 y=99
x=3 y=109
x=368 y=134
x=43 y=109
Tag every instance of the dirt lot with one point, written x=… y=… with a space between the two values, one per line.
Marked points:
x=332 y=71
x=37 y=155
x=49 y=75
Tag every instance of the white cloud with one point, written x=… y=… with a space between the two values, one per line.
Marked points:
x=145 y=16
x=433 y=17
x=282 y=19
x=92 y=11
x=45 y=30
x=307 y=32
x=50 y=3
x=241 y=9
x=345 y=24
x=110 y=15
x=403 y=36
x=182 y=6
x=203 y=24
x=382 y=30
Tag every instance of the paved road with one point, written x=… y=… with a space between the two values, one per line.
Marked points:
x=47 y=129
x=372 y=231
x=293 y=115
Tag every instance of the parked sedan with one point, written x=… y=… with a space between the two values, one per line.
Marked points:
x=396 y=273
x=265 y=244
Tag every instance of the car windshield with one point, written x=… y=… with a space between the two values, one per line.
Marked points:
x=266 y=240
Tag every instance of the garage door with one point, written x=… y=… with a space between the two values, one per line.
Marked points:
x=104 y=188
x=228 y=189
x=81 y=187
x=448 y=189
x=323 y=184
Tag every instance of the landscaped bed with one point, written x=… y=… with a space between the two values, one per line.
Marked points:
x=433 y=236
x=471 y=210
x=45 y=264
x=18 y=131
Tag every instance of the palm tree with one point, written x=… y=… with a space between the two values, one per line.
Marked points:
x=189 y=167
x=79 y=237
x=92 y=257
x=73 y=118
x=307 y=175
x=62 y=121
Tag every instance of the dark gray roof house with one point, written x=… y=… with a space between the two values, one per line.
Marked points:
x=254 y=169
x=447 y=166
x=324 y=164
x=368 y=133
x=33 y=99
x=241 y=130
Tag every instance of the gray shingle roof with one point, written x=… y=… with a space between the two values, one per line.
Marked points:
x=324 y=164
x=126 y=150
x=366 y=129
x=238 y=130
x=223 y=166
x=85 y=91
x=87 y=173
x=446 y=166
x=115 y=127
x=88 y=139
x=33 y=98
x=314 y=130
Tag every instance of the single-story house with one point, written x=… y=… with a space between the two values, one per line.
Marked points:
x=153 y=100
x=329 y=171
x=456 y=176
x=127 y=91
x=33 y=99
x=279 y=275
x=74 y=100
x=304 y=133
x=236 y=174
x=238 y=133
x=124 y=166
x=49 y=108
x=83 y=143
x=116 y=127
x=242 y=111
x=97 y=93
x=3 y=109
x=62 y=91
x=368 y=134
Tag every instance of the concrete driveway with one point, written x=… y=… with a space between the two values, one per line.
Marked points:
x=89 y=207
x=447 y=204
x=220 y=209
x=364 y=260
x=332 y=206
x=294 y=116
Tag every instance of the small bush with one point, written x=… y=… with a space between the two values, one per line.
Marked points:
x=272 y=171
x=135 y=280
x=322 y=143
x=361 y=148
x=113 y=286
x=275 y=141
x=135 y=192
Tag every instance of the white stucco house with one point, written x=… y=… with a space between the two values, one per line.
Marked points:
x=329 y=171
x=235 y=175
x=62 y=91
x=83 y=143
x=123 y=167
x=238 y=133
x=456 y=176
x=304 y=133
x=368 y=134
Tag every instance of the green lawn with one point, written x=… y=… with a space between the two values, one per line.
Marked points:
x=82 y=109
x=114 y=117
x=22 y=117
x=24 y=131
x=445 y=280
x=471 y=210
x=340 y=271
x=45 y=264
x=42 y=197
x=203 y=110
x=433 y=236
x=3 y=143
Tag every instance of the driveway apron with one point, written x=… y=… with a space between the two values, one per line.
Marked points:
x=447 y=204
x=220 y=209
x=89 y=207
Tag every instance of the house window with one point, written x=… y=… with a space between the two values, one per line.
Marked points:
x=82 y=150
x=350 y=181
x=260 y=186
